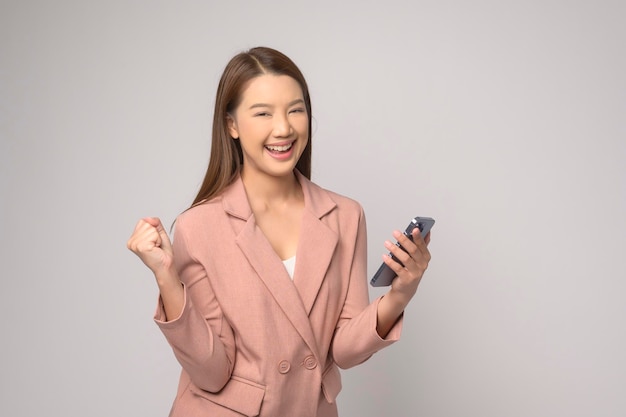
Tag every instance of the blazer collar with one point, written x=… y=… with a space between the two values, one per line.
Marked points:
x=316 y=247
x=316 y=199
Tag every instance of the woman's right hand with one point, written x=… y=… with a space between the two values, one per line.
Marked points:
x=150 y=242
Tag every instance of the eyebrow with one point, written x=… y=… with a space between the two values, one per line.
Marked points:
x=296 y=101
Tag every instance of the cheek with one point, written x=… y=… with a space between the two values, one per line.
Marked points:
x=302 y=126
x=247 y=128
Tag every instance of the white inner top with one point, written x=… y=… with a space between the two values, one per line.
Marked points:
x=290 y=265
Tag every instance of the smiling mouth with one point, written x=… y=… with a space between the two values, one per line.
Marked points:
x=281 y=148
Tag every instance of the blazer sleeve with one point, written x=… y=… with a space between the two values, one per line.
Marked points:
x=202 y=340
x=356 y=338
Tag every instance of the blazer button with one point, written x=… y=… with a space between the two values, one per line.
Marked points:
x=310 y=362
x=284 y=367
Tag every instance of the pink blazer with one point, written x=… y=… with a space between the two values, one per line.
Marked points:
x=250 y=340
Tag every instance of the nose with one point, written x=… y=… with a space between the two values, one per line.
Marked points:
x=282 y=126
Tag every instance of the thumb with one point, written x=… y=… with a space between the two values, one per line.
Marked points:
x=153 y=221
x=163 y=237
x=165 y=240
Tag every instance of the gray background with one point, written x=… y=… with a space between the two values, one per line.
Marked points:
x=503 y=120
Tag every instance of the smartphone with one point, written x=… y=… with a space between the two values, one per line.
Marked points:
x=385 y=275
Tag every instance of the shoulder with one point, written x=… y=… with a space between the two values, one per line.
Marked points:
x=344 y=205
x=201 y=211
x=342 y=214
x=198 y=217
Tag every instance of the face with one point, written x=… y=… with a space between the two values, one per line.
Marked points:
x=271 y=123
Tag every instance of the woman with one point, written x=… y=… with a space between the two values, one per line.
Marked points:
x=264 y=293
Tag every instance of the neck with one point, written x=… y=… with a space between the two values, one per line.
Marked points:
x=267 y=191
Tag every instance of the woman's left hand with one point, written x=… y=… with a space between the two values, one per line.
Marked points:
x=404 y=286
x=415 y=260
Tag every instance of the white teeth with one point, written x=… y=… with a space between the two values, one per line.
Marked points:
x=279 y=148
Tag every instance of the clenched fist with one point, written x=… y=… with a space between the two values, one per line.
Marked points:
x=150 y=242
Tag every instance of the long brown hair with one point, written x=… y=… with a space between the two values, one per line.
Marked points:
x=226 y=157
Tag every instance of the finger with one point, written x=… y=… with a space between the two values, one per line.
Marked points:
x=415 y=247
x=418 y=254
x=420 y=242
x=427 y=239
x=164 y=240
x=144 y=237
x=143 y=225
x=152 y=221
x=404 y=241
x=391 y=263
x=149 y=242
x=396 y=251
x=144 y=240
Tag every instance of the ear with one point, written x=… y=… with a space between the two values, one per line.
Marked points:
x=232 y=127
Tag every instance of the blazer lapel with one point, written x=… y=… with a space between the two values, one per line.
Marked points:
x=317 y=243
x=315 y=239
x=271 y=271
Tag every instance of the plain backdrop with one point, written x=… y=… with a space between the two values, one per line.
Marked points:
x=504 y=120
